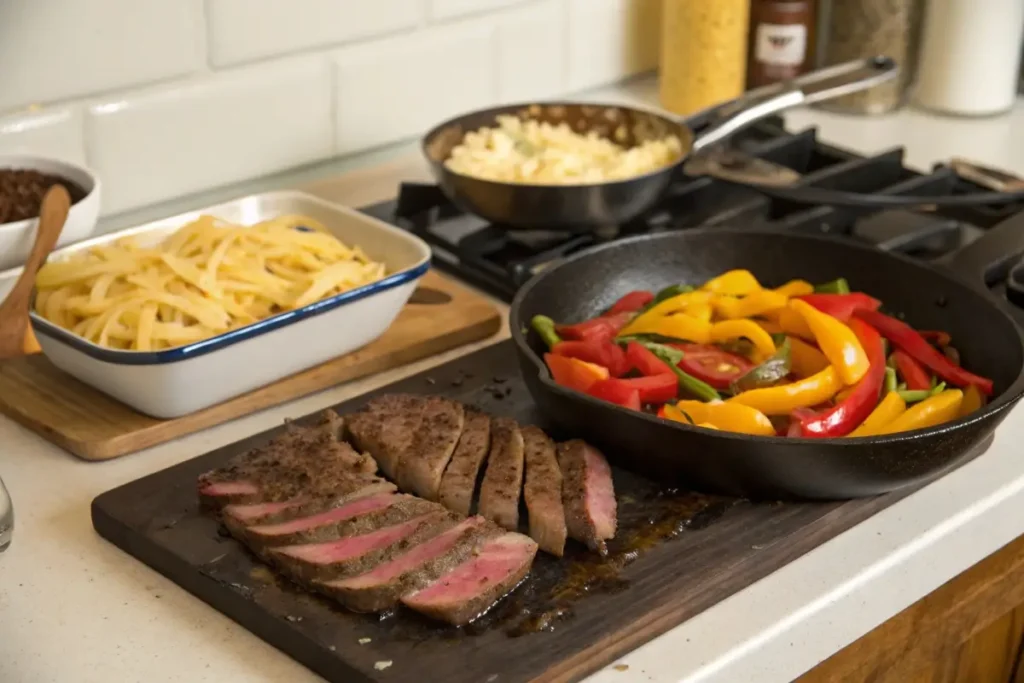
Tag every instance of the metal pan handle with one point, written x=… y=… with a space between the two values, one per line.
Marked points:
x=817 y=86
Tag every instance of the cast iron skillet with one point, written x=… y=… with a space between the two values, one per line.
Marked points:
x=581 y=208
x=931 y=297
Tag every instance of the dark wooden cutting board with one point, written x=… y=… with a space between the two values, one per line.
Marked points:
x=569 y=619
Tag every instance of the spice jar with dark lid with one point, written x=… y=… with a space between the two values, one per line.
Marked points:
x=781 y=40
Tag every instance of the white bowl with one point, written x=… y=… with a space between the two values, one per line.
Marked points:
x=16 y=237
x=182 y=380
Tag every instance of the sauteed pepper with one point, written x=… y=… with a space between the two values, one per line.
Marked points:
x=813 y=358
x=837 y=341
x=846 y=415
x=910 y=341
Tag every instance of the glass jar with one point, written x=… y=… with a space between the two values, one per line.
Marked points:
x=857 y=29
x=703 y=53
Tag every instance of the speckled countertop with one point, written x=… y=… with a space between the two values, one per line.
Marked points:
x=74 y=608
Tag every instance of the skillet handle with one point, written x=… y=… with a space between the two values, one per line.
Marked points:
x=727 y=119
x=989 y=258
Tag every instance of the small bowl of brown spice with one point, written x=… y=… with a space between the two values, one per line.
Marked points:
x=24 y=179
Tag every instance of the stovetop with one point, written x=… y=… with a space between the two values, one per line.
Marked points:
x=500 y=261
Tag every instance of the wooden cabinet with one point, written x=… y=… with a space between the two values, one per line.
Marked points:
x=969 y=630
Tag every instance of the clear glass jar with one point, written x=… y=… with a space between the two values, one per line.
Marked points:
x=703 y=53
x=858 y=29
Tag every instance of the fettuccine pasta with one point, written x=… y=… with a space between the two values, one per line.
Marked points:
x=206 y=278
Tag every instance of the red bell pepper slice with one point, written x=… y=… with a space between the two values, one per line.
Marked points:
x=645 y=362
x=653 y=389
x=841 y=306
x=615 y=391
x=574 y=373
x=603 y=328
x=937 y=337
x=631 y=302
x=916 y=377
x=603 y=353
x=713 y=365
x=917 y=347
x=847 y=415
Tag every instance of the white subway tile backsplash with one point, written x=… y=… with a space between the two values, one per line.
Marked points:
x=245 y=30
x=611 y=39
x=169 y=97
x=187 y=137
x=446 y=9
x=396 y=88
x=531 y=53
x=61 y=49
x=55 y=132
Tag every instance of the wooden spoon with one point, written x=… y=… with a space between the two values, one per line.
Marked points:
x=14 y=320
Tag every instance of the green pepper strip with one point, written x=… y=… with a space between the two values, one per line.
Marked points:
x=890 y=381
x=670 y=357
x=545 y=327
x=840 y=286
x=767 y=373
x=921 y=394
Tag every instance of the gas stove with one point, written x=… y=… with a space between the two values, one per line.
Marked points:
x=500 y=261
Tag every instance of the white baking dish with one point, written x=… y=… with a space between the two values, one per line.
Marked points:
x=175 y=382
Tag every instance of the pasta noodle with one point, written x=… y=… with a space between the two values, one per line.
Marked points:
x=534 y=152
x=206 y=278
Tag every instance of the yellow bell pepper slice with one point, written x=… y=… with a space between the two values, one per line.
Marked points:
x=733 y=283
x=973 y=400
x=708 y=425
x=837 y=341
x=729 y=417
x=728 y=330
x=804 y=359
x=701 y=310
x=678 y=303
x=930 y=412
x=784 y=399
x=677 y=326
x=890 y=407
x=758 y=303
x=790 y=322
x=795 y=288
x=769 y=326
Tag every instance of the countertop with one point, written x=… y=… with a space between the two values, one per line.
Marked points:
x=74 y=608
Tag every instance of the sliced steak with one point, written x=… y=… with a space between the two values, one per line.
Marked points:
x=542 y=490
x=299 y=459
x=302 y=505
x=459 y=481
x=471 y=588
x=381 y=588
x=423 y=463
x=503 y=480
x=359 y=553
x=357 y=517
x=385 y=428
x=588 y=494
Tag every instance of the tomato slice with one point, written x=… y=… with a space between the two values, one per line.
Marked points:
x=713 y=365
x=574 y=373
x=617 y=392
x=631 y=302
x=603 y=328
x=604 y=353
x=645 y=362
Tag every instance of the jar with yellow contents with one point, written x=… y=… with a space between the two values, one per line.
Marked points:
x=703 y=53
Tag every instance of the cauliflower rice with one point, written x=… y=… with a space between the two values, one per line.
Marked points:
x=539 y=153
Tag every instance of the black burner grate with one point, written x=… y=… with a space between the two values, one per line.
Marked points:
x=500 y=261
